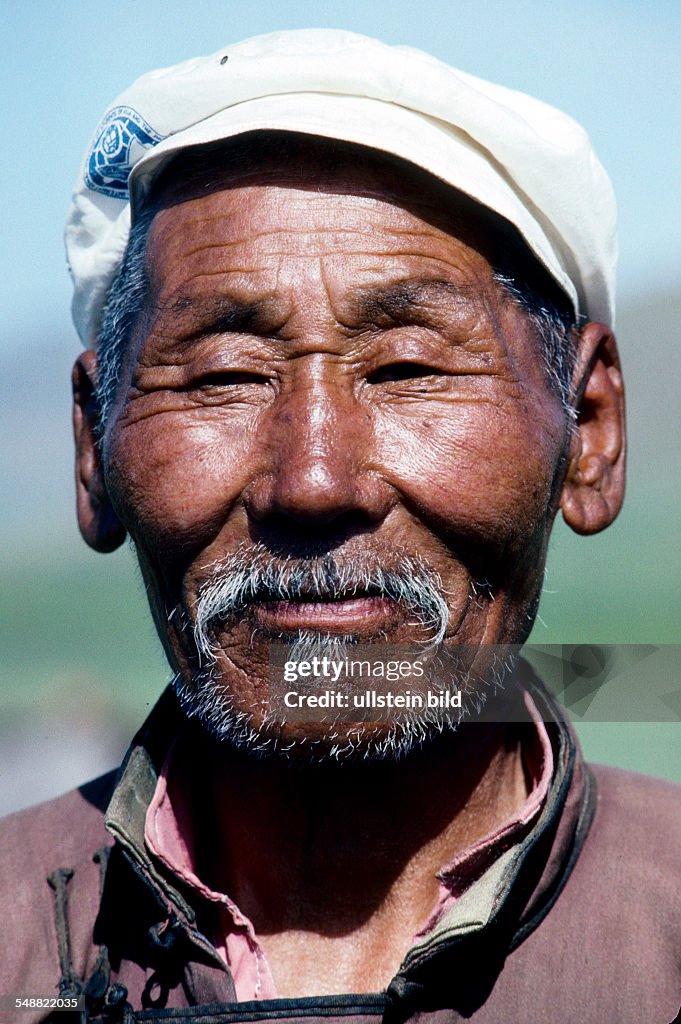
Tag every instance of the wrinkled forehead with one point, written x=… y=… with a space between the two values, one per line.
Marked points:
x=315 y=164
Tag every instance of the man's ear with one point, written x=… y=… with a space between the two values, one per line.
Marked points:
x=594 y=484
x=99 y=524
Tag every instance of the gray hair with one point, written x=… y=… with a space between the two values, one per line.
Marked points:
x=556 y=330
x=124 y=303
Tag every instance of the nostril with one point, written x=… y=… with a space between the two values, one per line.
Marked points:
x=284 y=536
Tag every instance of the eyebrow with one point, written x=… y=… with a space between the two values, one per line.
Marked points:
x=398 y=302
x=222 y=314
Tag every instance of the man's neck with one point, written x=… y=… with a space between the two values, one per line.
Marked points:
x=343 y=858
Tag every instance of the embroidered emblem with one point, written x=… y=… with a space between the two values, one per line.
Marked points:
x=119 y=143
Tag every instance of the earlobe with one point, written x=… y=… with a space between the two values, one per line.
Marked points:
x=99 y=525
x=593 y=491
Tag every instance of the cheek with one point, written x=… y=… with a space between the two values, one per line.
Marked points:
x=173 y=480
x=478 y=471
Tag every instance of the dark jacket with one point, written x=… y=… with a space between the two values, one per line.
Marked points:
x=582 y=924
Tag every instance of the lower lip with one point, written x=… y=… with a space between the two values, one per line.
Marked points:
x=348 y=615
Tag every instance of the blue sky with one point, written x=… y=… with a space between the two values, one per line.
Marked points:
x=613 y=66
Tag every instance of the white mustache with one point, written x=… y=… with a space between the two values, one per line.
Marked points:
x=252 y=573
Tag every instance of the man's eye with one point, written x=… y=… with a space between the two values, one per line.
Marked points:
x=229 y=378
x=402 y=371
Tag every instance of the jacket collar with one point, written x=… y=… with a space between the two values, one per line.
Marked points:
x=508 y=902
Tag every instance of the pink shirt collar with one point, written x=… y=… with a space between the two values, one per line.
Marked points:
x=169 y=837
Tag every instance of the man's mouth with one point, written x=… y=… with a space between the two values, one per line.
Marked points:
x=344 y=615
x=359 y=596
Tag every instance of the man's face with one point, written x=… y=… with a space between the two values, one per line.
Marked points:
x=332 y=373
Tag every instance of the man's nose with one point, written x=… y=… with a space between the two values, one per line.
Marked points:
x=321 y=466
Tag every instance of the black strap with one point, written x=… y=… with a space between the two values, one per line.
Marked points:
x=69 y=982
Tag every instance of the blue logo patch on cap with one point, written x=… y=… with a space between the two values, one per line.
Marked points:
x=119 y=143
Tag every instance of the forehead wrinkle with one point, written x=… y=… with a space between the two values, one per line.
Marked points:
x=196 y=227
x=251 y=234
x=395 y=301
x=197 y=222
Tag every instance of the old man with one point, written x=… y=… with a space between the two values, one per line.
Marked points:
x=347 y=316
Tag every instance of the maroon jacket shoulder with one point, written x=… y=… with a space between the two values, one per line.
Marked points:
x=638 y=821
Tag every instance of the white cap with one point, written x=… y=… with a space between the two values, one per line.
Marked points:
x=523 y=159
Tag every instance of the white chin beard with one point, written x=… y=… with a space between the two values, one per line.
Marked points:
x=205 y=700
